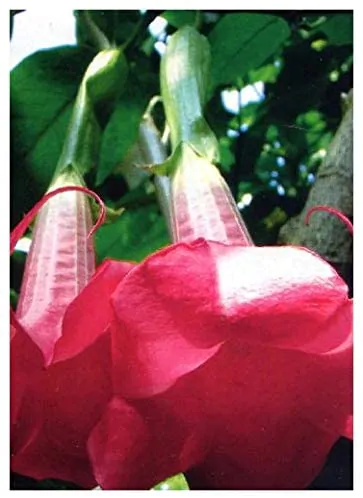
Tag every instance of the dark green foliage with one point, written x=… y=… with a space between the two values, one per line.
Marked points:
x=137 y=233
x=241 y=42
x=43 y=89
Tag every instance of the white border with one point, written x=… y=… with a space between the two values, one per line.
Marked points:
x=358 y=185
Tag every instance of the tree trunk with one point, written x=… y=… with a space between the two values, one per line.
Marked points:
x=333 y=187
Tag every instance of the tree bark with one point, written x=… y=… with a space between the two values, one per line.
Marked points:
x=333 y=187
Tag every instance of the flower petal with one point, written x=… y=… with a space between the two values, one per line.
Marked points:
x=251 y=417
x=90 y=313
x=138 y=444
x=161 y=307
x=348 y=431
x=276 y=413
x=177 y=308
x=59 y=408
x=281 y=296
x=26 y=360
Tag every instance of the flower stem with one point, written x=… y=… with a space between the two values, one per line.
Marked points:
x=202 y=204
x=154 y=152
x=101 y=86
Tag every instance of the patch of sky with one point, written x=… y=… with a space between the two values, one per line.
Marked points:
x=39 y=28
x=246 y=200
x=311 y=178
x=280 y=190
x=23 y=244
x=274 y=174
x=160 y=47
x=232 y=133
x=233 y=100
x=280 y=161
x=210 y=17
x=157 y=27
x=273 y=183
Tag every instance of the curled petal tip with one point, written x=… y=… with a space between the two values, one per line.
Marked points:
x=330 y=210
x=21 y=227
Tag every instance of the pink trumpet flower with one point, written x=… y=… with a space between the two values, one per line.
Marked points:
x=232 y=363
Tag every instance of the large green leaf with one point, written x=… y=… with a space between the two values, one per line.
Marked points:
x=43 y=89
x=178 y=18
x=136 y=234
x=338 y=29
x=121 y=131
x=241 y=42
x=117 y=25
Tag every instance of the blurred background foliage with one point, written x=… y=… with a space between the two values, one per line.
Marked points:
x=275 y=102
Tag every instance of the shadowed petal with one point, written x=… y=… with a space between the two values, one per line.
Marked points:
x=178 y=307
x=89 y=314
x=59 y=408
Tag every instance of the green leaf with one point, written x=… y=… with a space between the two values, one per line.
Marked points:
x=179 y=18
x=227 y=157
x=339 y=29
x=116 y=25
x=137 y=233
x=241 y=42
x=175 y=483
x=43 y=88
x=13 y=298
x=121 y=131
x=268 y=74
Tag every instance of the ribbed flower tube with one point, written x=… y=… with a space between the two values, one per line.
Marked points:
x=60 y=263
x=202 y=203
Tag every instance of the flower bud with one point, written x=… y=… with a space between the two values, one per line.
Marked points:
x=106 y=75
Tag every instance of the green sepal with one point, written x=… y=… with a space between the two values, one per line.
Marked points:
x=184 y=76
x=111 y=213
x=184 y=152
x=167 y=167
x=69 y=175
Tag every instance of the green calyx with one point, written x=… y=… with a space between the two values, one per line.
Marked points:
x=184 y=82
x=101 y=86
x=68 y=176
